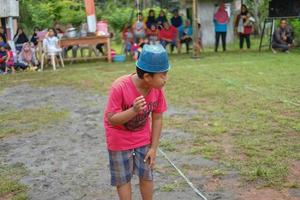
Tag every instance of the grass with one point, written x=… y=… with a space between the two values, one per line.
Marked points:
x=248 y=105
x=29 y=120
x=10 y=188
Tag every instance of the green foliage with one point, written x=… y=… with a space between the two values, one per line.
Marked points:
x=296 y=26
x=45 y=13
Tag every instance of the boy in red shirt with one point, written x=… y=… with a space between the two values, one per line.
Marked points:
x=132 y=139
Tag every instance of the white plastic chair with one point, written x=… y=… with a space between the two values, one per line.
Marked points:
x=52 y=55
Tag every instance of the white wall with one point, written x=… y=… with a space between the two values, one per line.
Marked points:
x=9 y=8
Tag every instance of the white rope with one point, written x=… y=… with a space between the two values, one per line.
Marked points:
x=183 y=176
x=138 y=7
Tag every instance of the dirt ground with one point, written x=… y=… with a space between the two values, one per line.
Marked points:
x=69 y=161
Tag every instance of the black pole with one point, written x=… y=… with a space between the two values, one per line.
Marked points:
x=262 y=34
x=271 y=33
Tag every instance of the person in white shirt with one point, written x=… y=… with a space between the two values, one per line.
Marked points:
x=51 y=42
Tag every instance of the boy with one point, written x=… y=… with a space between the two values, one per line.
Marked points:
x=131 y=142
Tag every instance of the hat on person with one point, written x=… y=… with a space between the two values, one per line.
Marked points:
x=2 y=44
x=153 y=58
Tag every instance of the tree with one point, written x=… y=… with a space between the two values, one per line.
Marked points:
x=259 y=10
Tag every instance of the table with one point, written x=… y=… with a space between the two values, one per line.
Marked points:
x=89 y=40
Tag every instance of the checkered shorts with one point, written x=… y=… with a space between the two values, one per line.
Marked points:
x=123 y=164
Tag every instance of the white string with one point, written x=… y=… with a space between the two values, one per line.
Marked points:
x=183 y=176
x=138 y=8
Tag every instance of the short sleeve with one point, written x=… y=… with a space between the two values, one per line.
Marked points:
x=162 y=103
x=115 y=99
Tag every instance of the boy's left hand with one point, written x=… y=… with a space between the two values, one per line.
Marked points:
x=151 y=155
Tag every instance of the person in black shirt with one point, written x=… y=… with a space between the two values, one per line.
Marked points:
x=150 y=19
x=161 y=19
x=34 y=38
x=20 y=38
x=176 y=20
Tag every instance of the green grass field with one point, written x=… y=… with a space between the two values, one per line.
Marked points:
x=248 y=105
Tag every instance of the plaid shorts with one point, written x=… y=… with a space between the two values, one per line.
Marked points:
x=123 y=164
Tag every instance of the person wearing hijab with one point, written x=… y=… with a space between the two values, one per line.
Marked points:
x=243 y=26
x=20 y=38
x=151 y=19
x=161 y=19
x=26 y=58
x=221 y=20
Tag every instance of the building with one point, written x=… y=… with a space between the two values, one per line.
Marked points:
x=9 y=11
x=206 y=10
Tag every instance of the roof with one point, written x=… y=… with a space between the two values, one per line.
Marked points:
x=9 y=8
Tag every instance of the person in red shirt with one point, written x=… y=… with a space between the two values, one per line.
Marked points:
x=168 y=35
x=152 y=34
x=132 y=136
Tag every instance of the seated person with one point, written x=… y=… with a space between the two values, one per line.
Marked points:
x=282 y=37
x=152 y=34
x=20 y=38
x=10 y=64
x=51 y=43
x=139 y=28
x=186 y=35
x=3 y=57
x=168 y=35
x=26 y=58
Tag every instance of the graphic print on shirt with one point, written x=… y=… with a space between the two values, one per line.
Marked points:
x=139 y=121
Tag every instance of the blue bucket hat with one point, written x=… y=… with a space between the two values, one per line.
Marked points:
x=153 y=58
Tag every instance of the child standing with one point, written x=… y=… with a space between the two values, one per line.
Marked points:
x=132 y=139
x=127 y=36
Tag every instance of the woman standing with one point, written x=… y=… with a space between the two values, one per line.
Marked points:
x=221 y=20
x=243 y=26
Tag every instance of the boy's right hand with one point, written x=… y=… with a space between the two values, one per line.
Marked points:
x=139 y=104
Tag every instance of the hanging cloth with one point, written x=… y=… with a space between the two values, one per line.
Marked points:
x=221 y=16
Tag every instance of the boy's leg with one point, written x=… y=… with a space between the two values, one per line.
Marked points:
x=124 y=191
x=144 y=172
x=121 y=169
x=146 y=188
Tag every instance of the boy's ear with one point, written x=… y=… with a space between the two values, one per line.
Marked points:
x=147 y=77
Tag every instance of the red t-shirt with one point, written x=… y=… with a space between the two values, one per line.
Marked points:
x=168 y=34
x=136 y=132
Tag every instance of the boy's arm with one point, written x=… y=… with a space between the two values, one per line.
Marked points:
x=156 y=130
x=125 y=116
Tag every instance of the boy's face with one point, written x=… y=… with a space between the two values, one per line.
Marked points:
x=158 y=80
